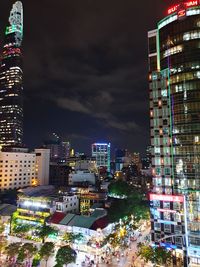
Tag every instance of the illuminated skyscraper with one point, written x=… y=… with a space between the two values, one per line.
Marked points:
x=11 y=100
x=59 y=149
x=101 y=152
x=174 y=66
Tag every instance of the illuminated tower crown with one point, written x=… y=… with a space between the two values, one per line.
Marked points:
x=16 y=22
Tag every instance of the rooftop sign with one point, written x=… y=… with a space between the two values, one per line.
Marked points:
x=187 y=4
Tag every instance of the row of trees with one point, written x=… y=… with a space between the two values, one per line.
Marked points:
x=27 y=254
x=44 y=231
x=37 y=233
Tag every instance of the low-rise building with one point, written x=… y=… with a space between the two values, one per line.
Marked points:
x=80 y=177
x=35 y=204
x=68 y=203
x=87 y=225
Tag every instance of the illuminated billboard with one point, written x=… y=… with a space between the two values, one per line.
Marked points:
x=186 y=5
x=171 y=198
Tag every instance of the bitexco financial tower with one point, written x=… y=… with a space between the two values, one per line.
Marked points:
x=11 y=74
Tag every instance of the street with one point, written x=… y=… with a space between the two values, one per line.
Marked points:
x=125 y=258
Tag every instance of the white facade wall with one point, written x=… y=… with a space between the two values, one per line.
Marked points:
x=17 y=170
x=69 y=204
x=85 y=165
x=42 y=165
x=82 y=176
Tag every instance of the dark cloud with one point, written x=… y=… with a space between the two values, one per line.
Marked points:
x=85 y=69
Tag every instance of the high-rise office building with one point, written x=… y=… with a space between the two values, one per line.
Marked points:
x=11 y=100
x=174 y=77
x=59 y=149
x=136 y=160
x=146 y=161
x=121 y=158
x=101 y=152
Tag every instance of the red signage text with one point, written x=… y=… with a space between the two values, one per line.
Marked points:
x=171 y=198
x=186 y=4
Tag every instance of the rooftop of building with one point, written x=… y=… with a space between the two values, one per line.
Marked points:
x=57 y=217
x=7 y=209
x=45 y=192
x=39 y=191
x=96 y=219
x=20 y=149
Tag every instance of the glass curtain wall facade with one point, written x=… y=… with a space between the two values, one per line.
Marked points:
x=174 y=66
x=101 y=152
x=11 y=74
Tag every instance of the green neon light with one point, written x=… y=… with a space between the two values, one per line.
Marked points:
x=13 y=28
x=166 y=18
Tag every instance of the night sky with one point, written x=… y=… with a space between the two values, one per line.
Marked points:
x=85 y=70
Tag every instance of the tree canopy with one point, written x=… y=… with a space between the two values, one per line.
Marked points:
x=119 y=188
x=156 y=255
x=2 y=227
x=46 y=250
x=21 y=229
x=26 y=252
x=45 y=231
x=126 y=207
x=12 y=249
x=3 y=245
x=71 y=237
x=65 y=255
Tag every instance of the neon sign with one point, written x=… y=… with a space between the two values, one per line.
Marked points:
x=170 y=198
x=181 y=13
x=172 y=9
x=192 y=3
x=186 y=5
x=166 y=210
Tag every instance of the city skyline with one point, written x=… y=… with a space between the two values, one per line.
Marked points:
x=100 y=133
x=79 y=60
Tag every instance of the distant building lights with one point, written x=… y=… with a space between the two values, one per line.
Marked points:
x=101 y=144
